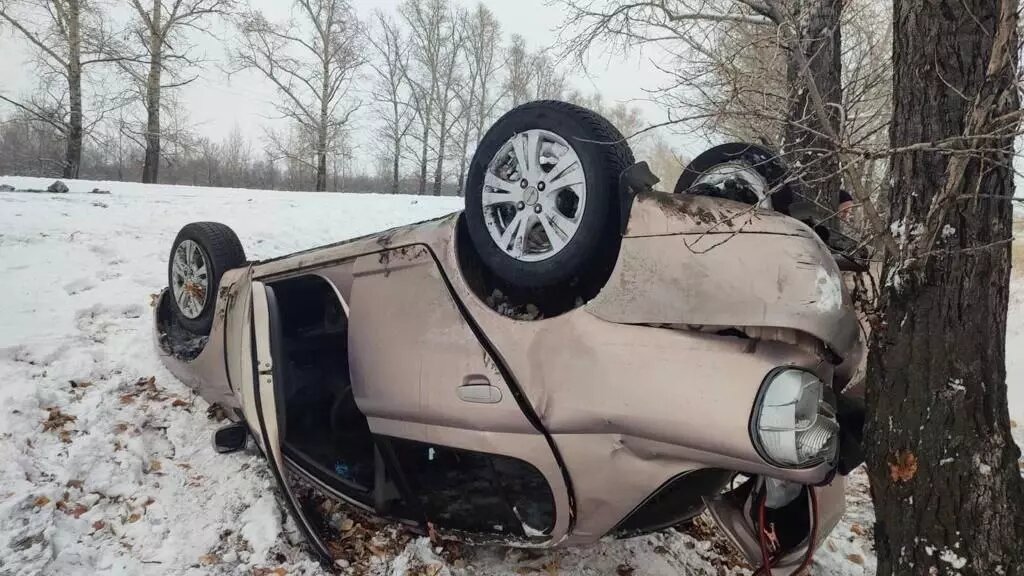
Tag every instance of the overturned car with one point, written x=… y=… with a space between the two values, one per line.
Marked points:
x=574 y=355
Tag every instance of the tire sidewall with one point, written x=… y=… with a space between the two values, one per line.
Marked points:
x=767 y=163
x=600 y=198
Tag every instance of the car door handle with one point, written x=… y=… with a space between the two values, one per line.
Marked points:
x=478 y=390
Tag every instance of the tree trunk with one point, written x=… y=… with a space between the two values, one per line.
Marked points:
x=423 y=150
x=396 y=150
x=442 y=139
x=804 y=143
x=73 y=147
x=944 y=473
x=151 y=164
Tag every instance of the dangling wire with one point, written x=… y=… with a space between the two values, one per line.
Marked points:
x=766 y=560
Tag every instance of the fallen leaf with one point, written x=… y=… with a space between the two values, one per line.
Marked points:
x=154 y=299
x=346 y=525
x=98 y=525
x=134 y=517
x=121 y=427
x=77 y=511
x=56 y=419
x=80 y=383
x=127 y=398
x=178 y=403
x=857 y=529
x=905 y=467
x=40 y=501
x=154 y=466
x=855 y=558
x=74 y=484
x=64 y=436
x=209 y=559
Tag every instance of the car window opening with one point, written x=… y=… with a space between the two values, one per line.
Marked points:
x=325 y=431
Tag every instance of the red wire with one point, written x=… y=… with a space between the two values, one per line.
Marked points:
x=766 y=566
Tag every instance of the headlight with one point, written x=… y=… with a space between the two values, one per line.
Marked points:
x=794 y=426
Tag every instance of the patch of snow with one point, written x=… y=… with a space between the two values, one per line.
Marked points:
x=948 y=231
x=951 y=558
x=830 y=290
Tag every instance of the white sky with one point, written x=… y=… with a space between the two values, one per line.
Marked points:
x=216 y=103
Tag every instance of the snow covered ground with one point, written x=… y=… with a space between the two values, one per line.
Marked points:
x=105 y=459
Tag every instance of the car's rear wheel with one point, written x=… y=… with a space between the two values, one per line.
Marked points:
x=542 y=194
x=200 y=255
x=742 y=172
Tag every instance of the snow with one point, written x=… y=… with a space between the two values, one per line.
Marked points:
x=107 y=463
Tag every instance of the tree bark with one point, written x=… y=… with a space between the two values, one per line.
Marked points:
x=151 y=162
x=944 y=470
x=423 y=150
x=73 y=146
x=441 y=142
x=805 y=145
x=396 y=150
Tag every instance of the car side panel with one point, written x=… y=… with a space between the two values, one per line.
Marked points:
x=411 y=351
x=208 y=373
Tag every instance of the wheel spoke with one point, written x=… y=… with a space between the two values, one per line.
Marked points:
x=556 y=237
x=510 y=232
x=504 y=192
x=567 y=172
x=566 y=226
x=196 y=258
x=519 y=243
x=522 y=157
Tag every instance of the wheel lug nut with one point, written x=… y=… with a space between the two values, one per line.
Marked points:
x=520 y=206
x=540 y=186
x=523 y=183
x=537 y=208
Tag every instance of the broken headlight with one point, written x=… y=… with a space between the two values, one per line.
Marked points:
x=794 y=426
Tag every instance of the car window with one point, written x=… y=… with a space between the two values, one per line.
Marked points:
x=477 y=492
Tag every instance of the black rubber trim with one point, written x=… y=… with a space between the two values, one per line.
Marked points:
x=492 y=351
x=318 y=546
x=227 y=369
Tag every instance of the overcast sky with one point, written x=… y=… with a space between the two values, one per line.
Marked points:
x=216 y=103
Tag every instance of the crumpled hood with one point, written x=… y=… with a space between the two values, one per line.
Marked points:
x=700 y=261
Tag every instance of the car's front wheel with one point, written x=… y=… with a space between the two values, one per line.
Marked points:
x=200 y=255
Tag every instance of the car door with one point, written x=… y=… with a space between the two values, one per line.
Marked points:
x=265 y=394
x=437 y=397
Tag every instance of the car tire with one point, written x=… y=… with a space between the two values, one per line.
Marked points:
x=578 y=238
x=772 y=171
x=200 y=255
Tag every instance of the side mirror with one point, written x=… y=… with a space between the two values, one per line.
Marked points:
x=231 y=438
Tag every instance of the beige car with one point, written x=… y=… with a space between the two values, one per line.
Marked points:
x=691 y=359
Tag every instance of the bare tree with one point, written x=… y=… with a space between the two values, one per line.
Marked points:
x=517 y=66
x=68 y=37
x=312 y=61
x=434 y=40
x=476 y=98
x=948 y=493
x=390 y=91
x=799 y=37
x=161 y=31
